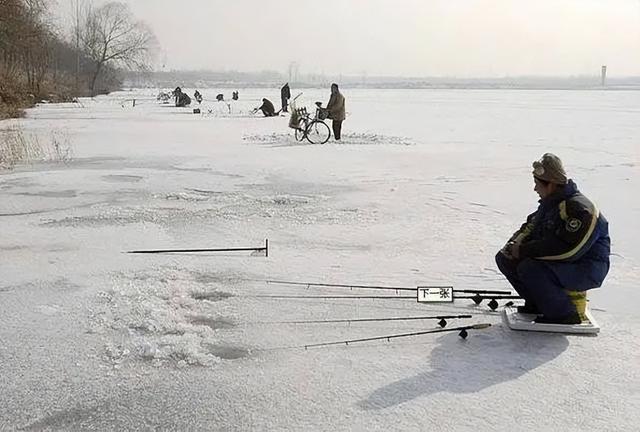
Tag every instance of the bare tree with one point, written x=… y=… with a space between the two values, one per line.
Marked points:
x=78 y=8
x=111 y=35
x=23 y=41
x=35 y=60
x=36 y=39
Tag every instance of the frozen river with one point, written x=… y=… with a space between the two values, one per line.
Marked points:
x=424 y=188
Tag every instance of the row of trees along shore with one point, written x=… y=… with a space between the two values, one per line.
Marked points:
x=40 y=60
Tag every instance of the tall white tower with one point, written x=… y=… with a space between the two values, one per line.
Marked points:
x=604 y=75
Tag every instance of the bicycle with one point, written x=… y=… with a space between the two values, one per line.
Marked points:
x=315 y=130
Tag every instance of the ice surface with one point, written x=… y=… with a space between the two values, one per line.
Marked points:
x=424 y=189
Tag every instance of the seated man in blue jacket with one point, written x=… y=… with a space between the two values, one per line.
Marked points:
x=563 y=246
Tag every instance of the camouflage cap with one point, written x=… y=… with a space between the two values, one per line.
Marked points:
x=549 y=168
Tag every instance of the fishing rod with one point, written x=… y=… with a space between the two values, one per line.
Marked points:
x=378 y=287
x=493 y=303
x=442 y=320
x=310 y=284
x=160 y=251
x=329 y=297
x=463 y=334
x=479 y=298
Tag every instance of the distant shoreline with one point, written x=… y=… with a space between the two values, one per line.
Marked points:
x=241 y=85
x=273 y=79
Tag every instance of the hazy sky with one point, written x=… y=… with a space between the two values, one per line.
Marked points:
x=463 y=38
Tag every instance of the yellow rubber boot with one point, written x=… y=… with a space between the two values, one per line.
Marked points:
x=579 y=299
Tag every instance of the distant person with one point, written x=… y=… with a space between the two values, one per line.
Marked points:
x=235 y=96
x=182 y=99
x=563 y=246
x=285 y=95
x=336 y=110
x=197 y=96
x=220 y=97
x=267 y=108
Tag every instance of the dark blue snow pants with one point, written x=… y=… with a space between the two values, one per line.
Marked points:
x=538 y=285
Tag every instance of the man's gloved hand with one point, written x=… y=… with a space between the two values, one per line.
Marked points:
x=515 y=250
x=511 y=250
x=506 y=250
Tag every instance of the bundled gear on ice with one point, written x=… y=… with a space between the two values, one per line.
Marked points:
x=220 y=97
x=235 y=96
x=164 y=97
x=560 y=251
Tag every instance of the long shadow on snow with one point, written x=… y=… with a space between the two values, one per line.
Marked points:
x=486 y=359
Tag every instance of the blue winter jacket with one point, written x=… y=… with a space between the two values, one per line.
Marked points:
x=568 y=232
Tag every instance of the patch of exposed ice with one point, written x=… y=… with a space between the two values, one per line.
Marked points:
x=374 y=139
x=122 y=178
x=299 y=209
x=164 y=316
x=280 y=139
x=187 y=196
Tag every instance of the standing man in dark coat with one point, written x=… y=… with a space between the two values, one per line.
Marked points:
x=285 y=95
x=563 y=246
x=336 y=110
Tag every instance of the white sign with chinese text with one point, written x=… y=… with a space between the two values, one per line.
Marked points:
x=435 y=294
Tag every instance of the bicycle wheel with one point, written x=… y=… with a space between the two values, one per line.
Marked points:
x=300 y=131
x=318 y=132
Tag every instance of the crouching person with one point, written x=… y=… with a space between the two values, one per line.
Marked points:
x=267 y=108
x=563 y=246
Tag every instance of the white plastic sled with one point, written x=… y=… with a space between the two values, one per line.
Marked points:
x=525 y=322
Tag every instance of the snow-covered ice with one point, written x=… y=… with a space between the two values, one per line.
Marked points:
x=424 y=188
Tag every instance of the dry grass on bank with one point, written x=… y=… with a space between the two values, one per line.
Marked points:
x=17 y=147
x=10 y=111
